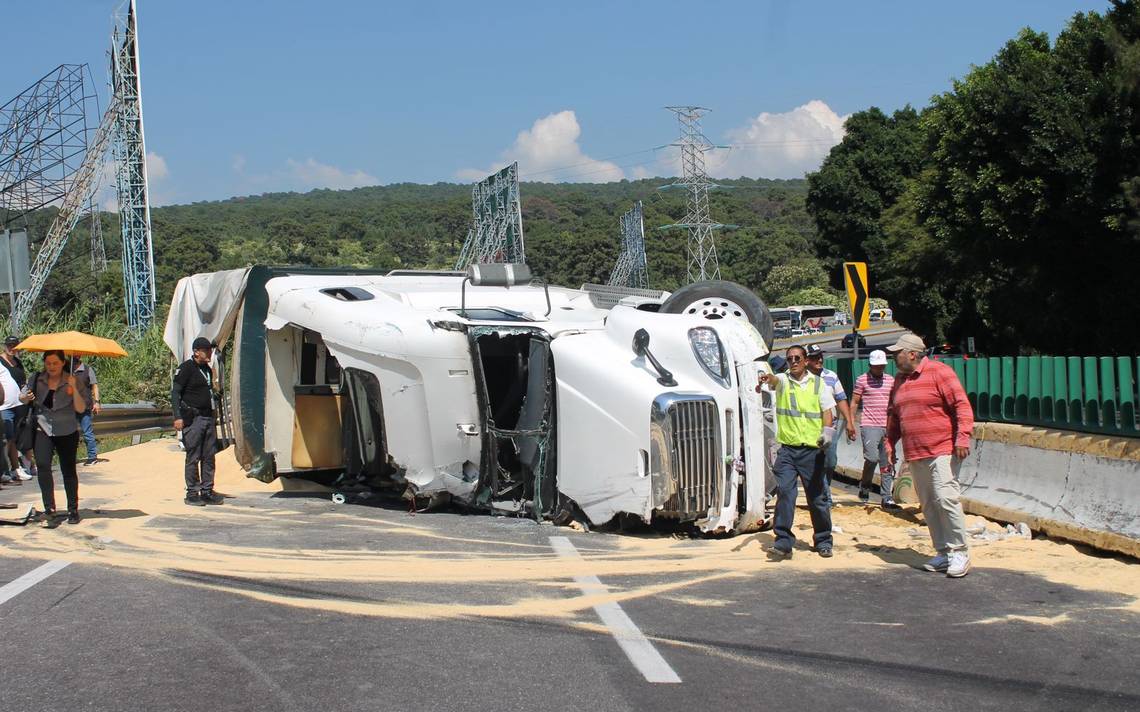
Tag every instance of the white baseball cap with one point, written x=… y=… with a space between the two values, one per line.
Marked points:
x=878 y=358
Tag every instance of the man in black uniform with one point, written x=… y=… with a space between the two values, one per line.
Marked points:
x=193 y=401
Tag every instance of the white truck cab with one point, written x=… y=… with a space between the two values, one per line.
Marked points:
x=492 y=391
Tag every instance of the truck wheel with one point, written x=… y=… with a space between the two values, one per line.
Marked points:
x=720 y=299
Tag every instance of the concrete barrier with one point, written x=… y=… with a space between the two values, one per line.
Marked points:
x=1076 y=486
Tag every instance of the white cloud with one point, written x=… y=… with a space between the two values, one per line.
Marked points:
x=785 y=145
x=158 y=185
x=549 y=152
x=310 y=174
x=299 y=176
x=156 y=168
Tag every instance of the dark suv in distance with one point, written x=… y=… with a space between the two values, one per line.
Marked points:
x=941 y=351
x=849 y=340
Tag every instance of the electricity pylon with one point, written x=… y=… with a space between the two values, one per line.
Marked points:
x=703 y=263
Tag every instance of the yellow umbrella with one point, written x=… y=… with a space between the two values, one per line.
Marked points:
x=74 y=343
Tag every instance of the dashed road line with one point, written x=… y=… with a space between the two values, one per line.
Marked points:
x=632 y=641
x=14 y=588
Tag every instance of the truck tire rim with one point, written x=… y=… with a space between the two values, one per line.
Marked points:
x=715 y=308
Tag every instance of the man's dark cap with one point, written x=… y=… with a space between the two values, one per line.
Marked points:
x=11 y=340
x=202 y=343
x=814 y=350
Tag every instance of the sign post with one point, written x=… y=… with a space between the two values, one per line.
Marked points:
x=15 y=267
x=855 y=277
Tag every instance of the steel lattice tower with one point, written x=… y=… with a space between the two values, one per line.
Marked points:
x=98 y=249
x=631 y=269
x=130 y=155
x=48 y=155
x=496 y=233
x=43 y=140
x=78 y=193
x=703 y=262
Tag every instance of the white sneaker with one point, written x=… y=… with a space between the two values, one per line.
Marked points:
x=22 y=474
x=938 y=564
x=959 y=564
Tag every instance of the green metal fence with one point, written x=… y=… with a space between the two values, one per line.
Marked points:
x=1095 y=394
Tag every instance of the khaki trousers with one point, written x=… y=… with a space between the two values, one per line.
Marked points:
x=936 y=482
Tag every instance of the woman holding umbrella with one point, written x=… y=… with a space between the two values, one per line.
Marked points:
x=58 y=403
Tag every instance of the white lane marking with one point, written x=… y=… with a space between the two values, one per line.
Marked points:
x=14 y=588
x=632 y=641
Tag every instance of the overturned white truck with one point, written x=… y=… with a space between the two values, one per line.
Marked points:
x=493 y=390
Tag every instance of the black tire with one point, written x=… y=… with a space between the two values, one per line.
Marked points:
x=719 y=299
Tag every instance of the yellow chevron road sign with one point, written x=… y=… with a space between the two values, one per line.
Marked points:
x=855 y=275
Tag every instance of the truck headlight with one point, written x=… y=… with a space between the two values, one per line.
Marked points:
x=709 y=352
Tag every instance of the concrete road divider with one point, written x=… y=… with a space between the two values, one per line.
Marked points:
x=1075 y=486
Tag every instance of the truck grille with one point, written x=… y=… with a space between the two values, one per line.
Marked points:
x=696 y=454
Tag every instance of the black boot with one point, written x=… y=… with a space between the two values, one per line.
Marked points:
x=210 y=497
x=194 y=499
x=48 y=519
x=73 y=516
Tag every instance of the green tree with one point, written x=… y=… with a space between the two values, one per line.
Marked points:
x=814 y=295
x=1033 y=154
x=861 y=177
x=786 y=278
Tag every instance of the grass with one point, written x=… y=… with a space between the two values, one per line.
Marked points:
x=144 y=375
x=116 y=442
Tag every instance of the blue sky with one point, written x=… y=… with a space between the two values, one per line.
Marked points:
x=244 y=97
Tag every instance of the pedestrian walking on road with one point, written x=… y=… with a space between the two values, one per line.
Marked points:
x=15 y=368
x=192 y=398
x=9 y=401
x=841 y=414
x=930 y=413
x=803 y=419
x=56 y=403
x=89 y=382
x=871 y=394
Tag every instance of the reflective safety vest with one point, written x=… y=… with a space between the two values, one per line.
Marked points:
x=799 y=418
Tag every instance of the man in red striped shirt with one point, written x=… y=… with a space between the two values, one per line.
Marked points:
x=929 y=411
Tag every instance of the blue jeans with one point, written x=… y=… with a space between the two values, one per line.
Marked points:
x=88 y=429
x=831 y=455
x=6 y=436
x=792 y=465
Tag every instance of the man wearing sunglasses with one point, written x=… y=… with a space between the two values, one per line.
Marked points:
x=804 y=430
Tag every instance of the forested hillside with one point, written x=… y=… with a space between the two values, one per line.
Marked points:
x=571 y=233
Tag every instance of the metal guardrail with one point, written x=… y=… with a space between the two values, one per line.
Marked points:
x=133 y=419
x=1085 y=394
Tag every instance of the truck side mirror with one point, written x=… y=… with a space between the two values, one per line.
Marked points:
x=641 y=348
x=641 y=342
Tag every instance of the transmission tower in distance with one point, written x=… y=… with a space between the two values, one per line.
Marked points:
x=496 y=233
x=131 y=177
x=695 y=181
x=631 y=269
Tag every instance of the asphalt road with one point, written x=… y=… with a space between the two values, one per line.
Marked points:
x=98 y=637
x=832 y=346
